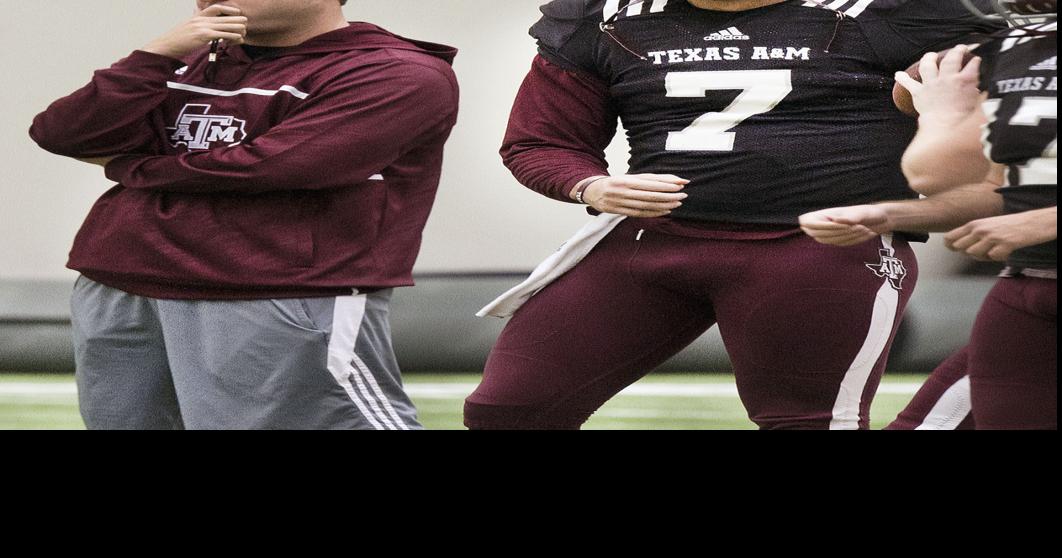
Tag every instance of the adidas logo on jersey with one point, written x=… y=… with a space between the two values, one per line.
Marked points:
x=731 y=34
x=1049 y=65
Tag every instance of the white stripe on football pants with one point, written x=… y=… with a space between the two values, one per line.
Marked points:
x=952 y=408
x=850 y=396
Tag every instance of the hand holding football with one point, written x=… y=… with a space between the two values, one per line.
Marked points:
x=939 y=79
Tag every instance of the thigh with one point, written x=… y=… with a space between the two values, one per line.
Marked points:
x=1014 y=357
x=580 y=341
x=123 y=375
x=259 y=364
x=809 y=328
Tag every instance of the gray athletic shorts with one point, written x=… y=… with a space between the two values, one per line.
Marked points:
x=315 y=363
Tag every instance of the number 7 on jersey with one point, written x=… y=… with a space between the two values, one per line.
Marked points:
x=761 y=91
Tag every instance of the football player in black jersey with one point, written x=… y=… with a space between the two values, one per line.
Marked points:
x=741 y=116
x=1005 y=209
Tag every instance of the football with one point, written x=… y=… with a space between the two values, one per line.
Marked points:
x=902 y=97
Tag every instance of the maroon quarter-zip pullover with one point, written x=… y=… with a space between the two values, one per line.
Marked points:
x=306 y=172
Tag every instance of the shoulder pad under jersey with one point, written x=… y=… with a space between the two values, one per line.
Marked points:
x=562 y=19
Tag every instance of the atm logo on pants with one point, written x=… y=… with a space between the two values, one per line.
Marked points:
x=198 y=129
x=891 y=267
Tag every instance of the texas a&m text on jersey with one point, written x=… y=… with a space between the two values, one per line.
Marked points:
x=742 y=103
x=1020 y=77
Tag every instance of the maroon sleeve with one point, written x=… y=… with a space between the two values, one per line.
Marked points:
x=112 y=114
x=561 y=124
x=345 y=132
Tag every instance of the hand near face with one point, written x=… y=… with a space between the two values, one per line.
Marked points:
x=216 y=22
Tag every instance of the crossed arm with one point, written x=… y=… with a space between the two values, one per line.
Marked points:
x=341 y=135
x=112 y=114
x=337 y=123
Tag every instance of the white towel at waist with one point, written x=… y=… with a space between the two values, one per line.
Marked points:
x=573 y=252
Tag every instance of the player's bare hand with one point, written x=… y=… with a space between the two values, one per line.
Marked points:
x=217 y=22
x=846 y=226
x=996 y=238
x=946 y=89
x=637 y=195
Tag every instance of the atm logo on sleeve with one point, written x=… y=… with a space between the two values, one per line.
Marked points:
x=197 y=129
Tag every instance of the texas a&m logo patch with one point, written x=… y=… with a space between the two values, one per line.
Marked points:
x=890 y=266
x=198 y=129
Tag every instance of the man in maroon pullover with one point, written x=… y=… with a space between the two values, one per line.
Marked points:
x=275 y=167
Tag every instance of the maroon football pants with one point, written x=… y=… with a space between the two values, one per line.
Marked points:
x=1014 y=357
x=807 y=326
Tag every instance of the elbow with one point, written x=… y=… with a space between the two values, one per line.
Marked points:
x=916 y=179
x=506 y=153
x=933 y=171
x=513 y=145
x=929 y=180
x=926 y=179
x=925 y=185
x=61 y=140
x=44 y=136
x=512 y=163
x=515 y=158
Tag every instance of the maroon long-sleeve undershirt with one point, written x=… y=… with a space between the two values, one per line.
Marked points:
x=559 y=128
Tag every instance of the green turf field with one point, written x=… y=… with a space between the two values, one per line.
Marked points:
x=671 y=402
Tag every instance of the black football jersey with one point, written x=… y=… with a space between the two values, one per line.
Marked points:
x=771 y=112
x=1020 y=75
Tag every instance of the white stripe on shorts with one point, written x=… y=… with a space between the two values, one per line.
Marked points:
x=850 y=396
x=375 y=386
x=346 y=325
